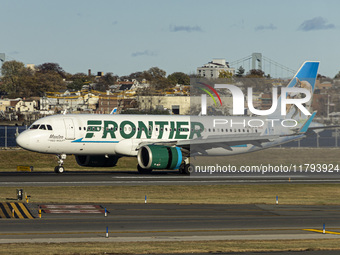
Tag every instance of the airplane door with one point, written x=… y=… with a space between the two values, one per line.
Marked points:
x=69 y=129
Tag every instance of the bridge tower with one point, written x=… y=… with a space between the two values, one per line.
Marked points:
x=2 y=57
x=256 y=58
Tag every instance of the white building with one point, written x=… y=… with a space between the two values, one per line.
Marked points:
x=212 y=69
x=28 y=106
x=182 y=105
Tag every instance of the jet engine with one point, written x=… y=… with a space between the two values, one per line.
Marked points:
x=96 y=160
x=159 y=157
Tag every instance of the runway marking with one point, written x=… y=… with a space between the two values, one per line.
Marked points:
x=25 y=210
x=72 y=209
x=16 y=210
x=321 y=231
x=20 y=211
x=71 y=206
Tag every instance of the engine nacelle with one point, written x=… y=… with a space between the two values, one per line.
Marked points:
x=96 y=160
x=159 y=157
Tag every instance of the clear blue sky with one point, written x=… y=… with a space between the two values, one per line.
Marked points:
x=129 y=36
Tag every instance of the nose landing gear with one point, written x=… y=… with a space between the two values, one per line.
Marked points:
x=60 y=168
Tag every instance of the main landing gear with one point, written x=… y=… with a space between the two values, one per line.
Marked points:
x=60 y=169
x=186 y=168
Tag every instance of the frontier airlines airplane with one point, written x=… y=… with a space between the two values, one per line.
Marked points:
x=168 y=142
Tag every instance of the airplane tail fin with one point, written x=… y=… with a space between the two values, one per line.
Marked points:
x=305 y=126
x=304 y=78
x=114 y=111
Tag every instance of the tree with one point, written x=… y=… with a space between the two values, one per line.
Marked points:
x=156 y=72
x=139 y=76
x=51 y=68
x=78 y=80
x=20 y=81
x=13 y=73
x=157 y=79
x=255 y=73
x=240 y=71
x=105 y=81
x=48 y=82
x=223 y=74
x=179 y=78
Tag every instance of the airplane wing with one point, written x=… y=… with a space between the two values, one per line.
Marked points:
x=314 y=130
x=226 y=141
x=216 y=141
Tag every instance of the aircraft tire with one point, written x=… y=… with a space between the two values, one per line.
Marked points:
x=188 y=169
x=59 y=169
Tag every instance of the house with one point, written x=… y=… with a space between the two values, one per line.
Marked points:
x=8 y=105
x=323 y=86
x=26 y=106
x=212 y=69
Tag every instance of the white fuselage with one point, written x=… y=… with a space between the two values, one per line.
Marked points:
x=92 y=134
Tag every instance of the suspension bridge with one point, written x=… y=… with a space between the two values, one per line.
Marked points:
x=260 y=62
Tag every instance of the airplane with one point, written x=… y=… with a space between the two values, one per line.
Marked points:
x=168 y=141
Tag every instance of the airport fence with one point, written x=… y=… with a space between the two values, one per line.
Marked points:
x=7 y=135
x=326 y=138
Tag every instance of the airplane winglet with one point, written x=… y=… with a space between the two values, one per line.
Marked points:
x=305 y=126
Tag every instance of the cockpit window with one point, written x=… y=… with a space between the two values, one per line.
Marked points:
x=42 y=127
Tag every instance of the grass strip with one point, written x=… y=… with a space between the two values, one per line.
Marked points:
x=170 y=247
x=9 y=159
x=289 y=193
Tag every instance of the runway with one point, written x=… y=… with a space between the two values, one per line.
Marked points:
x=177 y=222
x=167 y=222
x=96 y=178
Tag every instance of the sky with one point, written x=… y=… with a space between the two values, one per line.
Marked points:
x=128 y=36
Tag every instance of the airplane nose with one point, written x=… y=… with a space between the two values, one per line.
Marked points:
x=23 y=140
